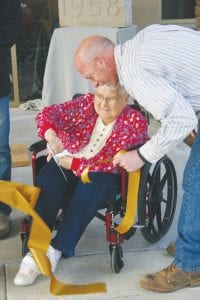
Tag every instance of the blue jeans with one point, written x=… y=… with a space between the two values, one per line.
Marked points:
x=5 y=157
x=187 y=255
x=80 y=201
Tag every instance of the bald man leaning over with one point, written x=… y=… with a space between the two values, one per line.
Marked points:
x=159 y=67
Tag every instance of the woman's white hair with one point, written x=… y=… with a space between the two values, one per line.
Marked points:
x=119 y=88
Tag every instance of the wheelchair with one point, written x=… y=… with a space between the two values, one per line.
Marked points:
x=157 y=196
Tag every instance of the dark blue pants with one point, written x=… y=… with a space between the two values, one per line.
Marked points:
x=81 y=202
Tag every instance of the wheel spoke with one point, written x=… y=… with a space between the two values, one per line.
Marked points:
x=164 y=200
x=158 y=217
x=152 y=228
x=152 y=214
x=157 y=176
x=163 y=181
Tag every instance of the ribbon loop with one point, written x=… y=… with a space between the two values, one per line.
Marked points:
x=23 y=197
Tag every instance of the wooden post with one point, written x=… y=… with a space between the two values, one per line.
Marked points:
x=14 y=77
x=197 y=14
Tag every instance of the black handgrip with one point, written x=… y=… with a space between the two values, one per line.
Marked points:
x=38 y=146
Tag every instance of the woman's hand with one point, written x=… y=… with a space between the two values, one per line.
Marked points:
x=65 y=161
x=54 y=141
x=130 y=161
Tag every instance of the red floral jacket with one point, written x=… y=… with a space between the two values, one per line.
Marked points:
x=74 y=121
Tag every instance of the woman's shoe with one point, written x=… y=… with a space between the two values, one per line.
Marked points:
x=54 y=255
x=28 y=271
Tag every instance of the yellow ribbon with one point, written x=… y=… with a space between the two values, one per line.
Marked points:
x=24 y=197
x=131 y=202
x=132 y=194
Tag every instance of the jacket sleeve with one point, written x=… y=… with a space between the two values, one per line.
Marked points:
x=59 y=117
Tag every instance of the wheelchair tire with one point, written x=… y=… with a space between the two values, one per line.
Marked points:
x=116 y=254
x=157 y=198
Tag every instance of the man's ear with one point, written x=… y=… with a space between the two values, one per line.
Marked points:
x=127 y=99
x=99 y=61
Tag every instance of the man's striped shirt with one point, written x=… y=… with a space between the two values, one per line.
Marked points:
x=160 y=68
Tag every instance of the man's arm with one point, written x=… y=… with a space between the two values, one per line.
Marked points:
x=167 y=105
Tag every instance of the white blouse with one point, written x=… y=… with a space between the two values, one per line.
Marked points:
x=100 y=134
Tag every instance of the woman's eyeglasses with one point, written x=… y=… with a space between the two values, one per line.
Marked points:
x=100 y=98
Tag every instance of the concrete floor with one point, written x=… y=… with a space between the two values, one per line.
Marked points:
x=92 y=260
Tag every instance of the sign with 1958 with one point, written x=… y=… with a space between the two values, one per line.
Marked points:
x=111 y=13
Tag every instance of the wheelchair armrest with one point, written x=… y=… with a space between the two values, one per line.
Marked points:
x=77 y=95
x=38 y=146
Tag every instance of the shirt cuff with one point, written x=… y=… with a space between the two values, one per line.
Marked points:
x=75 y=164
x=142 y=157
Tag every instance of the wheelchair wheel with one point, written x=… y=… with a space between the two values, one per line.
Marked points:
x=116 y=254
x=157 y=199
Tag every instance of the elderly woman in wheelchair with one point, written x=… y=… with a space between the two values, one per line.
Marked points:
x=85 y=132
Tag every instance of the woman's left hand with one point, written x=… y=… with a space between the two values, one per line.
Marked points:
x=65 y=161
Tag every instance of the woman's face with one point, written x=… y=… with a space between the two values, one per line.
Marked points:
x=108 y=103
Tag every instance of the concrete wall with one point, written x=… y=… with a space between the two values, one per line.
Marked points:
x=146 y=12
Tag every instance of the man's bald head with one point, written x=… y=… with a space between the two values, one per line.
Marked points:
x=94 y=59
x=92 y=46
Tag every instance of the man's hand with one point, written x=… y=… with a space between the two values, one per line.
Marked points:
x=130 y=161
